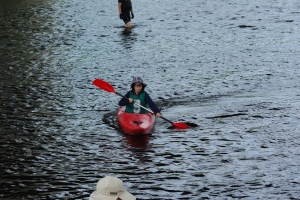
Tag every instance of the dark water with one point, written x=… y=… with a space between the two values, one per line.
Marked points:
x=230 y=67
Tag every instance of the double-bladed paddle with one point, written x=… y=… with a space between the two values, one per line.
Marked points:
x=109 y=88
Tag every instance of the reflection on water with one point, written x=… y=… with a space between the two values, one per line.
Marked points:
x=138 y=141
x=128 y=38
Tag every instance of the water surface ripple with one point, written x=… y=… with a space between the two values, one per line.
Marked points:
x=229 y=67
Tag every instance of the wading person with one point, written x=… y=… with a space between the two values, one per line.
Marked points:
x=125 y=9
x=137 y=94
x=111 y=188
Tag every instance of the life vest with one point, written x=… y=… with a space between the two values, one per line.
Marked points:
x=140 y=99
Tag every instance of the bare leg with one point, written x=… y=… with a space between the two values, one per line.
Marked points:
x=128 y=25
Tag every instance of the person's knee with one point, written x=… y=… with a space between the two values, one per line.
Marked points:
x=128 y=25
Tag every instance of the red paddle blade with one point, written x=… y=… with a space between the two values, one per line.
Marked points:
x=104 y=85
x=180 y=125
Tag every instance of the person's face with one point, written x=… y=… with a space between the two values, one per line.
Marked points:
x=138 y=87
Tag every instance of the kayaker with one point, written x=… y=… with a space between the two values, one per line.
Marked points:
x=125 y=8
x=111 y=188
x=138 y=95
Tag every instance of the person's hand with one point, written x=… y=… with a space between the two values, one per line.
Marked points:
x=121 y=16
x=130 y=100
x=157 y=114
x=132 y=15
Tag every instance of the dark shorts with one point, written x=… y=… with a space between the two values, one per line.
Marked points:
x=126 y=16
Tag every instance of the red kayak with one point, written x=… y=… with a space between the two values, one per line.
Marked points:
x=135 y=124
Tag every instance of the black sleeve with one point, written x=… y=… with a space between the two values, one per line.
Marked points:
x=151 y=104
x=124 y=101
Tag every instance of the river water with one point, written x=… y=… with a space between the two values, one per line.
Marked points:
x=229 y=68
